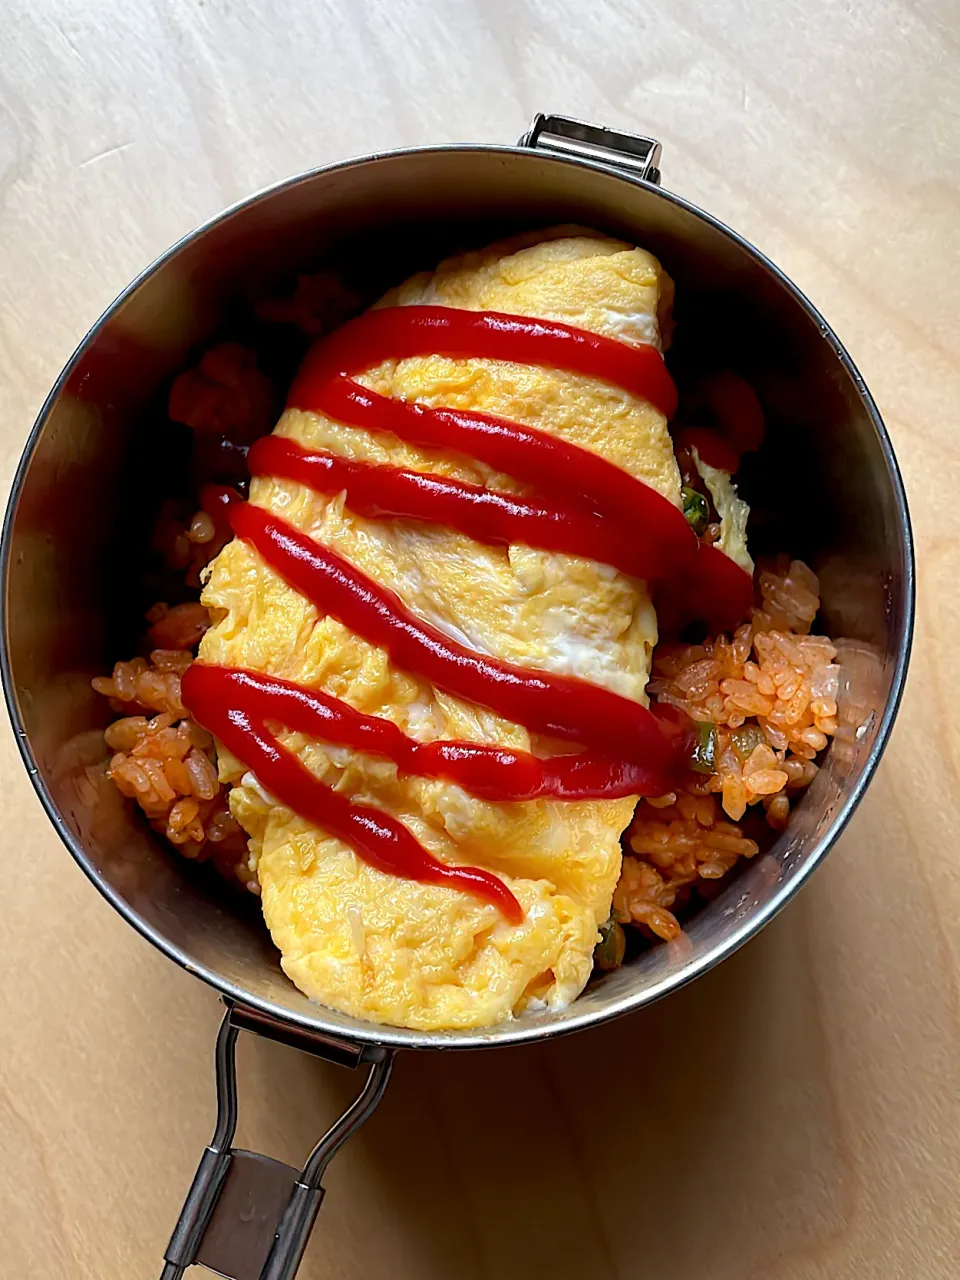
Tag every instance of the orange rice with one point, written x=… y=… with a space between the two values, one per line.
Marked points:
x=770 y=692
x=166 y=762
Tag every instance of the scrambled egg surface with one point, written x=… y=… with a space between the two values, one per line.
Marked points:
x=393 y=950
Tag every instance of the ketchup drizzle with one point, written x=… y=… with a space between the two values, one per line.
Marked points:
x=584 y=505
x=559 y=706
x=378 y=837
x=499 y=774
x=713 y=449
x=379 y=492
x=396 y=333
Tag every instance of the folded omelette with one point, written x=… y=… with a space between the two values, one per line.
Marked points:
x=395 y=950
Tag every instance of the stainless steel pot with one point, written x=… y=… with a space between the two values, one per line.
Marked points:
x=75 y=504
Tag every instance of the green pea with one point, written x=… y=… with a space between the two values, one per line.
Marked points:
x=696 y=509
x=745 y=740
x=608 y=953
x=704 y=757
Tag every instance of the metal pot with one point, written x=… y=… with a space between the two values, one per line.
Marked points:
x=839 y=503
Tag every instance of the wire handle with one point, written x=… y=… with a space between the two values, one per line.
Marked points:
x=247 y=1216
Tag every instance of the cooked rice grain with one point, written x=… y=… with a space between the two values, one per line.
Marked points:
x=770 y=690
x=164 y=760
x=140 y=686
x=189 y=544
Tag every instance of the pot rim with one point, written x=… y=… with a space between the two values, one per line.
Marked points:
x=523 y=1030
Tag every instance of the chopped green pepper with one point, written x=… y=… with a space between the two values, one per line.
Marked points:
x=696 y=509
x=746 y=740
x=608 y=953
x=704 y=758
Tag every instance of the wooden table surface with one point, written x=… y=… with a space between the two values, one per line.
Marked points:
x=795 y=1113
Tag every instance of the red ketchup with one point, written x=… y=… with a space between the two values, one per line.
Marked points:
x=712 y=448
x=395 y=333
x=378 y=838
x=582 y=504
x=559 y=706
x=637 y=542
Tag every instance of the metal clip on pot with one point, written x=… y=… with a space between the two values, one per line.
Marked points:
x=248 y=1216
x=564 y=136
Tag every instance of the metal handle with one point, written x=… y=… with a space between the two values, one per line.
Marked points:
x=637 y=155
x=247 y=1216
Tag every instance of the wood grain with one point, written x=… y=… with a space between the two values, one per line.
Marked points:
x=793 y=1116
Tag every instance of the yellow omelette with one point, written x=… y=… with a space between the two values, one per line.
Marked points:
x=393 y=950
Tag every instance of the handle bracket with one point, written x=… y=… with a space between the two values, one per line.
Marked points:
x=248 y=1216
x=637 y=155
